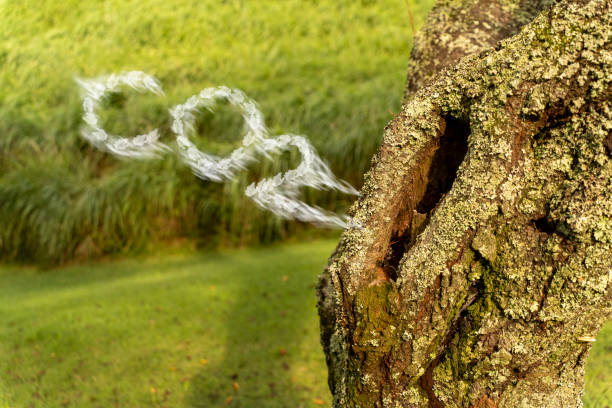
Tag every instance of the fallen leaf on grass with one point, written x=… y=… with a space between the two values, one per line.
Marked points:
x=318 y=401
x=236 y=386
x=204 y=361
x=166 y=395
x=228 y=400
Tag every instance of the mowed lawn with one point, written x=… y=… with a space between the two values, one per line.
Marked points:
x=235 y=328
x=232 y=328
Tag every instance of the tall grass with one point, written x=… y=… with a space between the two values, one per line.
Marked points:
x=330 y=69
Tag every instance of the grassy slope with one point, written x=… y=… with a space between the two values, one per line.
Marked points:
x=180 y=330
x=331 y=69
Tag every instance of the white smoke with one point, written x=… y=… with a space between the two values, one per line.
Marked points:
x=142 y=146
x=279 y=194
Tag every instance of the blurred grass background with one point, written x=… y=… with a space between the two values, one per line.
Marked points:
x=332 y=70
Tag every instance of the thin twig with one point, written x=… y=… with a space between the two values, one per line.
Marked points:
x=410 y=17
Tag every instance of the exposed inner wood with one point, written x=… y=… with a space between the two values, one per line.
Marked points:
x=433 y=178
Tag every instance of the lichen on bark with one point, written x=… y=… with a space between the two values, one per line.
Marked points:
x=471 y=286
x=456 y=28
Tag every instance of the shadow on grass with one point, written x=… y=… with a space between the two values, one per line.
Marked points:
x=228 y=329
x=271 y=352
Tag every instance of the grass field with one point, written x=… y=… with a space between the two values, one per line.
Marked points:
x=333 y=70
x=177 y=330
x=233 y=328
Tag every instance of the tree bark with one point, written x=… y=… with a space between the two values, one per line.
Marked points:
x=455 y=29
x=483 y=267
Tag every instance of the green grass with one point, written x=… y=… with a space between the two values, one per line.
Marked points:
x=598 y=386
x=331 y=69
x=109 y=334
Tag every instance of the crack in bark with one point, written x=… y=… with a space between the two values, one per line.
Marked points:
x=608 y=143
x=426 y=381
x=447 y=158
x=545 y=290
x=437 y=174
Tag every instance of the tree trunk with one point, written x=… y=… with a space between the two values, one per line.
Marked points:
x=483 y=266
x=455 y=29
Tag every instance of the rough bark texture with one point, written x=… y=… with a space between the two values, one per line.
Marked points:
x=484 y=260
x=455 y=29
